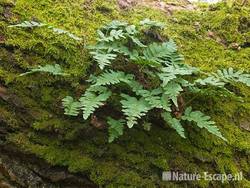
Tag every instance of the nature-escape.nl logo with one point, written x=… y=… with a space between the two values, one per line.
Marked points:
x=183 y=176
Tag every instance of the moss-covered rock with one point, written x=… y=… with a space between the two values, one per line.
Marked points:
x=32 y=104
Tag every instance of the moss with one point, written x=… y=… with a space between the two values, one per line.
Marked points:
x=8 y=118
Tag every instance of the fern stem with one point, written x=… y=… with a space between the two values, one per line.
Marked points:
x=188 y=102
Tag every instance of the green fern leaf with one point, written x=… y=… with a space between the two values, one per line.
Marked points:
x=113 y=35
x=62 y=31
x=155 y=53
x=29 y=24
x=229 y=75
x=173 y=90
x=155 y=98
x=202 y=121
x=90 y=101
x=115 y=128
x=164 y=53
x=137 y=42
x=115 y=24
x=71 y=107
x=32 y=24
x=52 y=69
x=173 y=71
x=134 y=109
x=211 y=80
x=111 y=77
x=165 y=103
x=152 y=97
x=174 y=123
x=152 y=24
x=103 y=58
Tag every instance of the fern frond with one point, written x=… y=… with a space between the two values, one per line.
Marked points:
x=152 y=24
x=113 y=35
x=71 y=107
x=165 y=103
x=134 y=109
x=32 y=24
x=103 y=59
x=111 y=77
x=62 y=31
x=29 y=24
x=115 y=24
x=90 y=101
x=52 y=69
x=202 y=121
x=131 y=30
x=164 y=53
x=155 y=98
x=155 y=52
x=229 y=75
x=115 y=128
x=173 y=71
x=211 y=80
x=174 y=123
x=172 y=90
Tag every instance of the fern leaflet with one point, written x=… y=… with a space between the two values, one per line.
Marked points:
x=229 y=75
x=115 y=128
x=173 y=71
x=211 y=80
x=111 y=77
x=134 y=109
x=172 y=90
x=52 y=69
x=102 y=58
x=152 y=24
x=202 y=121
x=90 y=101
x=71 y=107
x=174 y=123
x=29 y=24
x=113 y=35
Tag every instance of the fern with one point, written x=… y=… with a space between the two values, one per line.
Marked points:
x=115 y=24
x=103 y=59
x=173 y=71
x=155 y=98
x=61 y=31
x=115 y=128
x=163 y=79
x=71 y=107
x=211 y=80
x=33 y=24
x=134 y=109
x=152 y=24
x=113 y=35
x=90 y=101
x=29 y=24
x=221 y=77
x=152 y=97
x=164 y=53
x=229 y=75
x=174 y=123
x=156 y=53
x=52 y=69
x=111 y=77
x=202 y=121
x=172 y=90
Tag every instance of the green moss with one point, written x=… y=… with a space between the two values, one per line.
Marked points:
x=139 y=157
x=8 y=118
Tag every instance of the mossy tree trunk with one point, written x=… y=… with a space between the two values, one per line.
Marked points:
x=40 y=147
